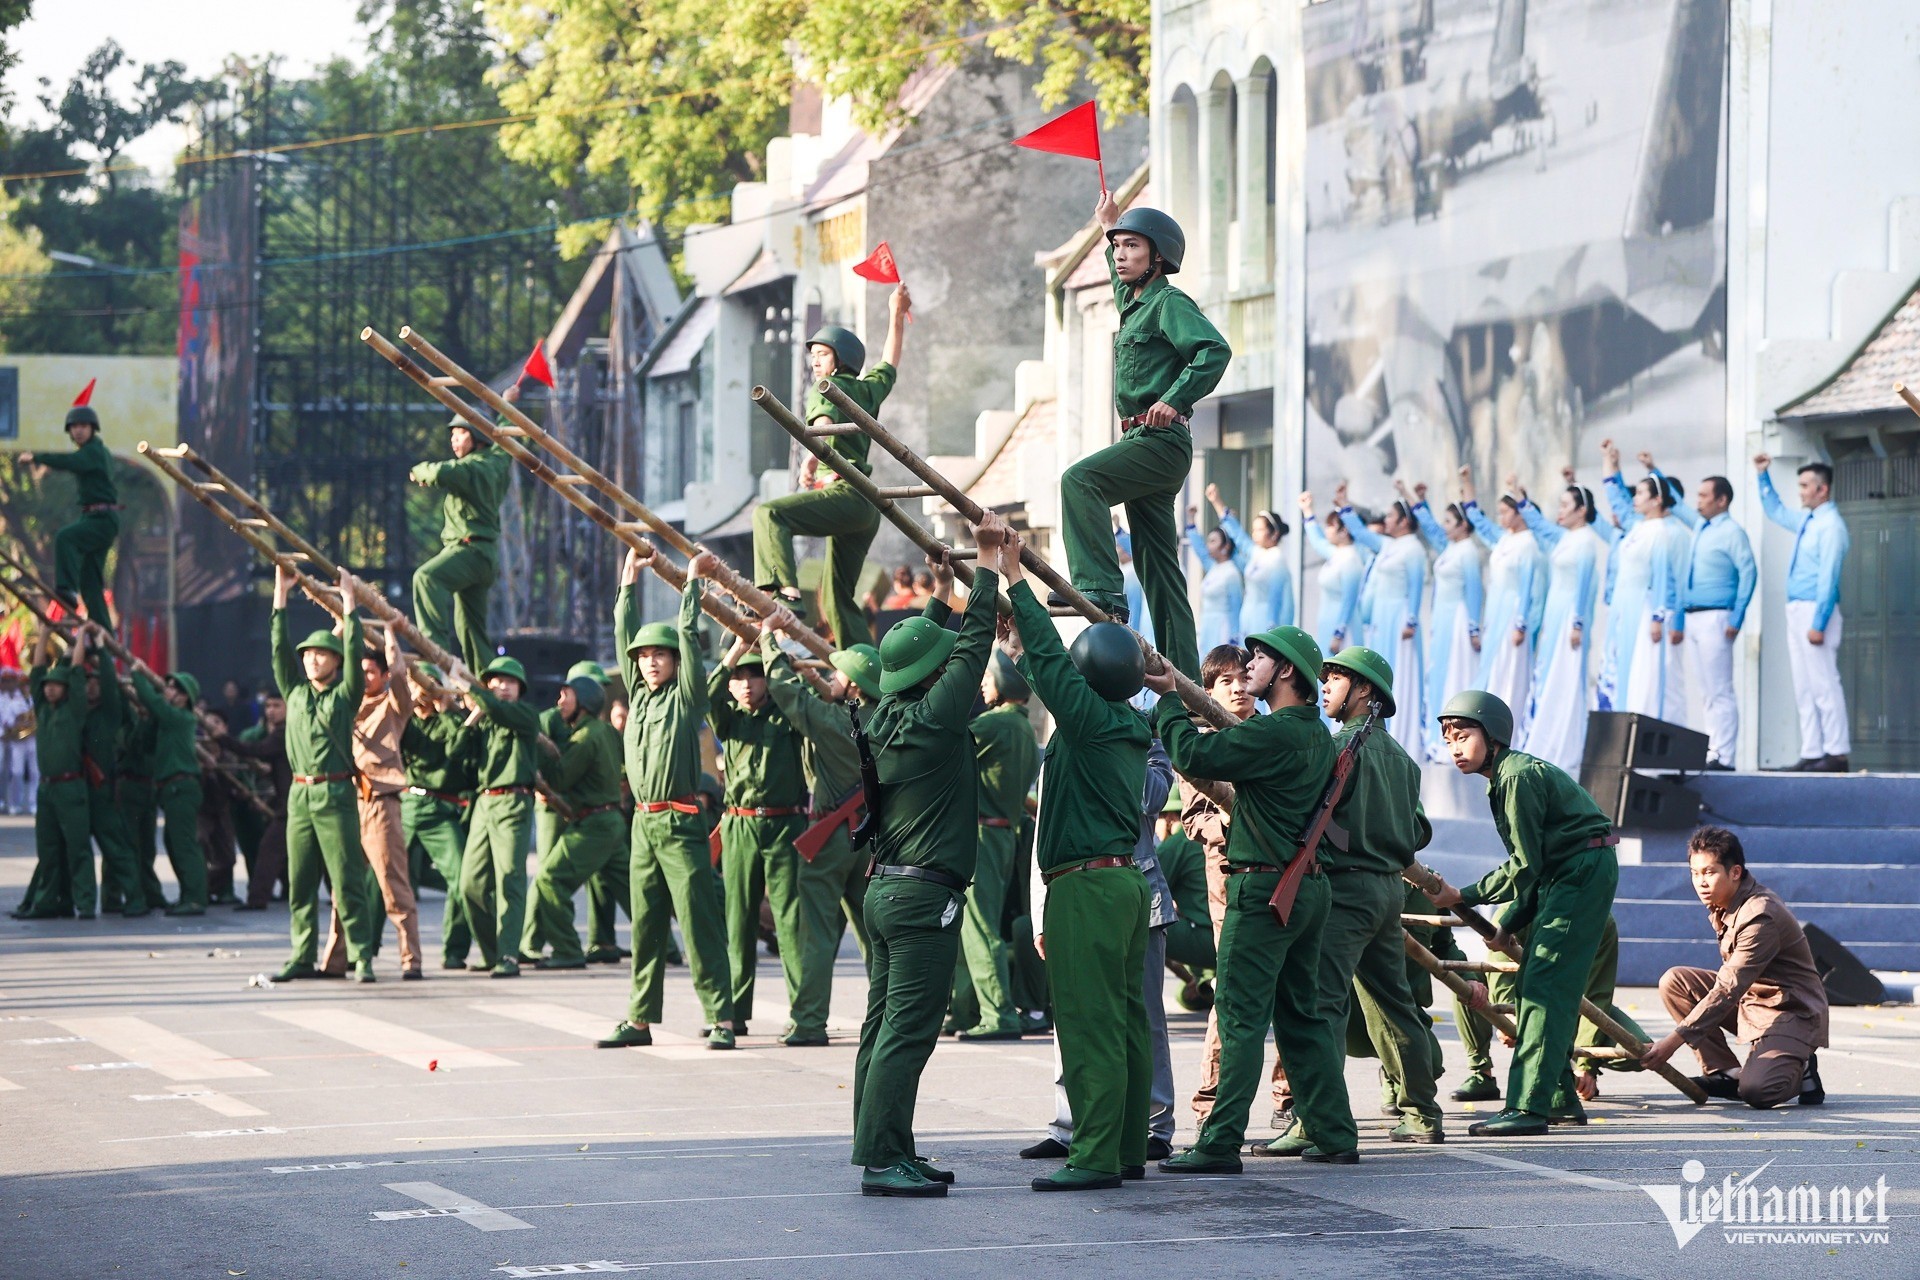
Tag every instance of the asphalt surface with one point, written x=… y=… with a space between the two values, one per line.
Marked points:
x=160 y=1117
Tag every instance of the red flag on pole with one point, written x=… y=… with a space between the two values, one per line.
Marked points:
x=86 y=394
x=879 y=266
x=1076 y=133
x=537 y=367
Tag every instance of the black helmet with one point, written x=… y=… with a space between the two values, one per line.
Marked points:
x=1168 y=239
x=848 y=350
x=1484 y=709
x=1108 y=656
x=1007 y=679
x=589 y=693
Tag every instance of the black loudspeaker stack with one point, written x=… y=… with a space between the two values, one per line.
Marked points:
x=1624 y=753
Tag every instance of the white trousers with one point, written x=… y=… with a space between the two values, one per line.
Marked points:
x=1816 y=684
x=1710 y=668
x=22 y=780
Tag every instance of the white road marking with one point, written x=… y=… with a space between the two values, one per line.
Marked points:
x=403 y=1044
x=52 y=1040
x=1542 y=1171
x=105 y=1066
x=218 y=1103
x=230 y=1133
x=573 y=1022
x=570 y=1269
x=6 y=1084
x=173 y=1056
x=451 y=1204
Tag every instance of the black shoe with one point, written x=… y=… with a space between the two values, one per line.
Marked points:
x=931 y=1174
x=1045 y=1149
x=1317 y=1156
x=1812 y=1092
x=412 y=975
x=186 y=909
x=988 y=1033
x=1806 y=765
x=530 y=961
x=1072 y=1179
x=1134 y=1172
x=294 y=971
x=1158 y=1149
x=1714 y=766
x=453 y=964
x=603 y=955
x=1833 y=764
x=1282 y=1119
x=1718 y=1084
x=1115 y=607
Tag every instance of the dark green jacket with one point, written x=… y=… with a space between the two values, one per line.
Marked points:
x=828 y=756
x=869 y=392
x=175 y=726
x=1008 y=758
x=1279 y=764
x=137 y=742
x=440 y=753
x=106 y=722
x=475 y=486
x=1183 y=860
x=92 y=465
x=1096 y=761
x=1166 y=348
x=663 y=726
x=587 y=774
x=761 y=750
x=1380 y=813
x=58 y=731
x=929 y=785
x=507 y=735
x=319 y=721
x=1547 y=821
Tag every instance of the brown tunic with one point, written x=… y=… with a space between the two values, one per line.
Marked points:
x=377 y=726
x=1766 y=973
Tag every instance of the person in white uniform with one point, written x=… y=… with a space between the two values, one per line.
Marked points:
x=1647 y=625
x=1455 y=643
x=1390 y=602
x=1266 y=601
x=1516 y=597
x=1221 y=588
x=1814 y=621
x=1557 y=724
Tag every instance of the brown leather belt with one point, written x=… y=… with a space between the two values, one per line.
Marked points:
x=1140 y=420
x=1091 y=864
x=780 y=811
x=1604 y=842
x=321 y=779
x=999 y=824
x=444 y=796
x=76 y=776
x=679 y=804
x=1243 y=868
x=578 y=814
x=507 y=791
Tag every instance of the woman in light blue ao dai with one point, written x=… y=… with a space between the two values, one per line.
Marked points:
x=1390 y=600
x=1516 y=597
x=1454 y=639
x=1557 y=722
x=1266 y=599
x=1220 y=589
x=1648 y=612
x=1336 y=623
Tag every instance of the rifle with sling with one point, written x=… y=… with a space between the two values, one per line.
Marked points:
x=845 y=812
x=869 y=826
x=1306 y=857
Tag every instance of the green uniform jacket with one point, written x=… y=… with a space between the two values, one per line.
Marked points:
x=1279 y=764
x=100 y=739
x=761 y=750
x=475 y=485
x=174 y=730
x=1380 y=813
x=587 y=775
x=58 y=732
x=1183 y=860
x=137 y=741
x=440 y=753
x=507 y=737
x=319 y=721
x=829 y=758
x=1008 y=759
x=1546 y=820
x=1096 y=762
x=868 y=392
x=1166 y=348
x=92 y=465
x=663 y=725
x=929 y=789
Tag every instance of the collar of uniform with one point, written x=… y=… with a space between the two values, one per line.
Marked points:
x=1748 y=887
x=1139 y=299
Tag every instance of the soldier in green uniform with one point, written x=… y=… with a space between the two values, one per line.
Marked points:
x=1094 y=927
x=80 y=549
x=1377 y=830
x=1007 y=758
x=323 y=692
x=1559 y=878
x=439 y=754
x=766 y=807
x=120 y=887
x=669 y=869
x=1167 y=356
x=177 y=781
x=608 y=893
x=62 y=883
x=450 y=590
x=493 y=867
x=1190 y=938
x=835 y=512
x=133 y=792
x=1268 y=978
x=834 y=880
x=546 y=823
x=924 y=848
x=587 y=776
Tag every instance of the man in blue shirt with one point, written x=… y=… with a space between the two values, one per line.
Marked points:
x=1813 y=612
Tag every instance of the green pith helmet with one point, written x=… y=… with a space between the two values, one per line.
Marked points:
x=914 y=649
x=327 y=641
x=1368 y=666
x=1483 y=709
x=1294 y=645
x=1007 y=679
x=505 y=666
x=590 y=669
x=82 y=414
x=589 y=693
x=1175 y=802
x=751 y=658
x=860 y=664
x=1168 y=239
x=848 y=351
x=656 y=635
x=1109 y=657
x=480 y=438
x=427 y=671
x=188 y=685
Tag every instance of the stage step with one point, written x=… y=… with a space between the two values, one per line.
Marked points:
x=1792 y=881
x=1808 y=799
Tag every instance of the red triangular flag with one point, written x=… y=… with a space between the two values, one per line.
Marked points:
x=879 y=266
x=1076 y=133
x=537 y=367
x=86 y=394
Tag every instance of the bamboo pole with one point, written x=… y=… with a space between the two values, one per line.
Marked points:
x=725 y=576
x=1454 y=982
x=624 y=533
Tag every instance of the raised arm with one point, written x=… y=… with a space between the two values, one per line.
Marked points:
x=1777 y=511
x=1544 y=530
x=1485 y=529
x=1430 y=531
x=1358 y=528
x=1067 y=695
x=951 y=699
x=690 y=682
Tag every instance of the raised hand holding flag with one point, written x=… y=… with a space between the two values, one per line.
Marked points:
x=881 y=268
x=1075 y=133
x=537 y=367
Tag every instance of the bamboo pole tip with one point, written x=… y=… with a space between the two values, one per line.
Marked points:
x=366 y=333
x=144 y=447
x=406 y=331
x=759 y=394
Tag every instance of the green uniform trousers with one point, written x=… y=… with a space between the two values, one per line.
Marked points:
x=1096 y=932
x=1191 y=943
x=1572 y=916
x=63 y=870
x=610 y=895
x=450 y=599
x=670 y=872
x=1476 y=1033
x=80 y=562
x=249 y=828
x=142 y=816
x=832 y=890
x=436 y=832
x=848 y=522
x=323 y=839
x=1031 y=993
x=1144 y=471
x=1269 y=980
x=546 y=830
x=914 y=927
x=493 y=873
x=757 y=859
x=989 y=956
x=120 y=887
x=180 y=798
x=580 y=850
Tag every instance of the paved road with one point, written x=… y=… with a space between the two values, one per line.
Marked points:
x=160 y=1118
